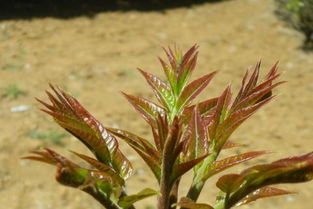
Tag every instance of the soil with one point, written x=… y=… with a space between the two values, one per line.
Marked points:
x=95 y=58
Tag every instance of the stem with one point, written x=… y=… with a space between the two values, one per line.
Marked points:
x=125 y=194
x=198 y=181
x=220 y=201
x=166 y=168
x=107 y=203
x=174 y=194
x=164 y=199
x=220 y=205
x=195 y=191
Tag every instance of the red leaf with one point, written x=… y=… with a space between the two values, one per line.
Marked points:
x=170 y=74
x=160 y=88
x=234 y=120
x=197 y=143
x=188 y=203
x=219 y=113
x=255 y=96
x=162 y=132
x=101 y=167
x=289 y=170
x=229 y=144
x=136 y=141
x=171 y=57
x=226 y=182
x=250 y=93
x=88 y=180
x=73 y=117
x=143 y=148
x=246 y=87
x=146 y=108
x=182 y=168
x=193 y=89
x=221 y=165
x=51 y=157
x=186 y=66
x=181 y=67
x=153 y=164
x=263 y=192
x=205 y=108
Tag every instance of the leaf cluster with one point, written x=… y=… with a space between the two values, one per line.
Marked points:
x=187 y=135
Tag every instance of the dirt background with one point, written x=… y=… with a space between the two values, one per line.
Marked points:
x=96 y=57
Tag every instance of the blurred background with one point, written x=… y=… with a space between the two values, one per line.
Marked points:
x=92 y=48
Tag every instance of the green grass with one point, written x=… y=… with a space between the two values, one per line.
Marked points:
x=52 y=136
x=13 y=91
x=12 y=66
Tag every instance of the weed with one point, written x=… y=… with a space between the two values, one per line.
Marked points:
x=299 y=13
x=13 y=91
x=50 y=136
x=12 y=66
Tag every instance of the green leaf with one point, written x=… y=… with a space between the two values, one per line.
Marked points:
x=170 y=74
x=181 y=67
x=100 y=166
x=126 y=201
x=70 y=174
x=289 y=170
x=161 y=90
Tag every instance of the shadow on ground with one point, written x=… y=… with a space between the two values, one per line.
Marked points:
x=27 y=9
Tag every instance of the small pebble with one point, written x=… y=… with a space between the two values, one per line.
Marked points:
x=20 y=108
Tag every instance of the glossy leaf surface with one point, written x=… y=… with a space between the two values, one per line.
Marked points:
x=193 y=89
x=289 y=170
x=146 y=108
x=188 y=203
x=263 y=192
x=221 y=165
x=126 y=201
x=160 y=88
x=73 y=117
x=70 y=174
x=197 y=142
x=142 y=147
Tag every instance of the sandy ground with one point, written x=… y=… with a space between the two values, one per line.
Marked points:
x=95 y=58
